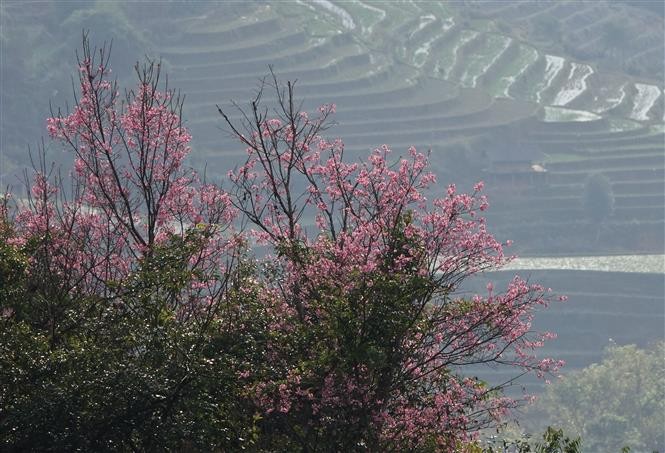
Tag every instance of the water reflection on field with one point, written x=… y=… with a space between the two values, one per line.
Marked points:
x=652 y=264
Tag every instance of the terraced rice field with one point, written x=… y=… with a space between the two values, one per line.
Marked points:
x=422 y=74
x=591 y=319
x=419 y=73
x=440 y=81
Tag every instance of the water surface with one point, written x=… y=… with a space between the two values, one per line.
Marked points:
x=652 y=264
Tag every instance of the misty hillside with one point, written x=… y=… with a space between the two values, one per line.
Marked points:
x=531 y=97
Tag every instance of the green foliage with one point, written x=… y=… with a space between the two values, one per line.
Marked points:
x=122 y=374
x=618 y=402
x=13 y=265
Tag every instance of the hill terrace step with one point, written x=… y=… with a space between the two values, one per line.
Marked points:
x=596 y=336
x=642 y=200
x=423 y=140
x=574 y=87
x=510 y=67
x=571 y=326
x=584 y=305
x=538 y=78
x=614 y=175
x=535 y=212
x=224 y=154
x=484 y=58
x=534 y=233
x=302 y=56
x=422 y=49
x=447 y=34
x=391 y=16
x=610 y=94
x=575 y=359
x=260 y=46
x=466 y=51
x=586 y=14
x=390 y=97
x=582 y=101
x=578 y=325
x=556 y=74
x=430 y=96
x=329 y=70
x=406 y=30
x=620 y=285
x=649 y=43
x=504 y=61
x=490 y=9
x=370 y=17
x=646 y=56
x=531 y=81
x=387 y=93
x=354 y=148
x=558 y=191
x=644 y=100
x=523 y=10
x=225 y=15
x=498 y=115
x=591 y=37
x=446 y=57
x=425 y=27
x=447 y=112
x=442 y=52
x=212 y=45
x=564 y=10
x=638 y=187
x=328 y=90
x=603 y=163
x=599 y=145
x=550 y=9
x=430 y=127
x=620 y=189
x=201 y=18
x=558 y=129
x=309 y=54
x=637 y=152
x=357 y=148
x=425 y=99
x=546 y=130
x=238 y=31
x=27 y=12
x=656 y=201
x=552 y=202
x=590 y=149
x=587 y=321
x=536 y=217
x=619 y=139
x=600 y=141
x=639 y=212
x=363 y=143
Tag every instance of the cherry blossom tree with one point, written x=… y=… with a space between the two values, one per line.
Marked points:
x=130 y=191
x=116 y=335
x=370 y=341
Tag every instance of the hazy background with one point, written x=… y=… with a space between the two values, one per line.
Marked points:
x=557 y=106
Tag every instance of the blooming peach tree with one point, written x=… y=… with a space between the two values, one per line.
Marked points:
x=116 y=336
x=349 y=335
x=369 y=341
